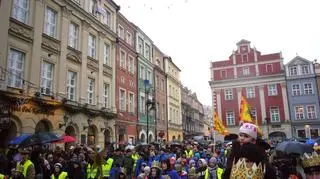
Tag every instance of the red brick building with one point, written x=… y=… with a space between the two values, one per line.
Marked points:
x=261 y=79
x=126 y=82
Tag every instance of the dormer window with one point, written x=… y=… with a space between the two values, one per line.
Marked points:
x=293 y=71
x=305 y=69
x=245 y=71
x=244 y=58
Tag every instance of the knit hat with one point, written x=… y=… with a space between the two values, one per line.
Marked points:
x=213 y=160
x=249 y=129
x=203 y=161
x=58 y=165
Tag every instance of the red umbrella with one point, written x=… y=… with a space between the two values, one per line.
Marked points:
x=66 y=139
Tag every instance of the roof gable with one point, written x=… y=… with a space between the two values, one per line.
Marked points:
x=298 y=61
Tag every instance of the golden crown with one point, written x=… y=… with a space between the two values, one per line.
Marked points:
x=155 y=164
x=241 y=171
x=310 y=160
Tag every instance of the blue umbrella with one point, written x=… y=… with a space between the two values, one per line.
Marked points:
x=17 y=140
x=39 y=139
x=310 y=142
x=289 y=147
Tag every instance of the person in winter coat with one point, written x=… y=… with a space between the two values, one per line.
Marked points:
x=202 y=171
x=128 y=163
x=215 y=172
x=167 y=172
x=77 y=172
x=58 y=173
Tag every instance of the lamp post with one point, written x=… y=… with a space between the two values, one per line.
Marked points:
x=148 y=103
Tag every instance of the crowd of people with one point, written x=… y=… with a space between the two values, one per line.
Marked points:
x=242 y=158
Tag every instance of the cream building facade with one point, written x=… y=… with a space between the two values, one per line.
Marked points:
x=57 y=60
x=175 y=131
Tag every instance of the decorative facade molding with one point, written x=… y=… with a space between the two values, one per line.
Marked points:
x=51 y=44
x=21 y=30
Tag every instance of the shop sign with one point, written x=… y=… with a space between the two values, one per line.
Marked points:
x=32 y=109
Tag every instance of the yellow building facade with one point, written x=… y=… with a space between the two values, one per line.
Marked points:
x=57 y=61
x=175 y=131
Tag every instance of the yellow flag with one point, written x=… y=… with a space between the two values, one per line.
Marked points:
x=218 y=125
x=245 y=114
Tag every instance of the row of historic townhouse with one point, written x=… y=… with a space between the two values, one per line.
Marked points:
x=282 y=98
x=80 y=67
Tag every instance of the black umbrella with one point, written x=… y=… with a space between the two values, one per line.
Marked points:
x=39 y=139
x=290 y=147
x=230 y=137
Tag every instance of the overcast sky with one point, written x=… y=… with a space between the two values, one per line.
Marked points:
x=195 y=32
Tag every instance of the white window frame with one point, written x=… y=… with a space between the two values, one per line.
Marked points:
x=149 y=76
x=274 y=112
x=73 y=35
x=271 y=67
x=313 y=113
x=92 y=45
x=107 y=18
x=106 y=54
x=250 y=91
x=299 y=112
x=46 y=78
x=223 y=73
x=92 y=7
x=293 y=70
x=230 y=119
x=142 y=72
x=272 y=90
x=122 y=59
x=131 y=102
x=142 y=104
x=129 y=38
x=16 y=61
x=245 y=71
x=305 y=69
x=91 y=91
x=147 y=51
x=254 y=113
x=131 y=64
x=51 y=22
x=296 y=91
x=243 y=59
x=121 y=31
x=309 y=89
x=228 y=94
x=105 y=94
x=72 y=86
x=122 y=100
x=141 y=45
x=20 y=10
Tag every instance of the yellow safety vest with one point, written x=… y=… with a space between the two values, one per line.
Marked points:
x=107 y=167
x=23 y=169
x=219 y=173
x=2 y=176
x=189 y=154
x=91 y=172
x=135 y=158
x=62 y=175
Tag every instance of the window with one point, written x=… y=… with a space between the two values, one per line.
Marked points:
x=250 y=92
x=163 y=112
x=129 y=38
x=293 y=71
x=272 y=90
x=106 y=53
x=170 y=120
x=50 y=23
x=305 y=69
x=15 y=68
x=170 y=90
x=162 y=84
x=230 y=119
x=142 y=72
x=122 y=100
x=308 y=89
x=46 y=78
x=122 y=59
x=311 y=112
x=314 y=133
x=142 y=104
x=149 y=77
x=20 y=10
x=131 y=64
x=158 y=110
x=71 y=85
x=91 y=91
x=244 y=58
x=245 y=71
x=274 y=113
x=147 y=52
x=157 y=82
x=296 y=89
x=140 y=45
x=269 y=68
x=228 y=94
x=253 y=114
x=223 y=74
x=92 y=46
x=105 y=95
x=301 y=133
x=73 y=35
x=299 y=112
x=131 y=102
x=121 y=32
x=107 y=18
x=92 y=7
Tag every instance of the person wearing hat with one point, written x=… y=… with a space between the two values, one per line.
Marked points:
x=58 y=173
x=122 y=173
x=167 y=171
x=155 y=172
x=311 y=165
x=202 y=171
x=25 y=166
x=214 y=171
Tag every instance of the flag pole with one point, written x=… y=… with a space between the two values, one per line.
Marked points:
x=214 y=139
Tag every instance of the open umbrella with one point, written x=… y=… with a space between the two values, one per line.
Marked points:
x=39 y=139
x=17 y=140
x=66 y=139
x=290 y=147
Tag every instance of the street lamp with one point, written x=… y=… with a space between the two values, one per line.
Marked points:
x=149 y=103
